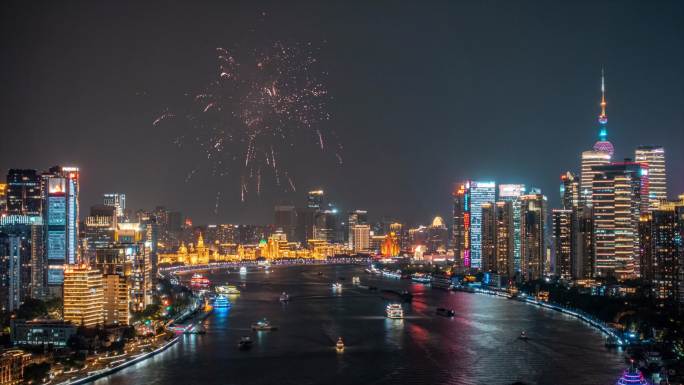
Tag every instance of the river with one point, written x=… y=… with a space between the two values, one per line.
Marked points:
x=478 y=346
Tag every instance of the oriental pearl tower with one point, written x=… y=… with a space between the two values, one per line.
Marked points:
x=603 y=144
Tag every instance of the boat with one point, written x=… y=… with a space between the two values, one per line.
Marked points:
x=245 y=343
x=440 y=282
x=392 y=274
x=356 y=280
x=243 y=270
x=198 y=281
x=284 y=297
x=337 y=286
x=420 y=278
x=394 y=311
x=221 y=301
x=227 y=289
x=632 y=376
x=523 y=336
x=339 y=345
x=263 y=325
x=445 y=312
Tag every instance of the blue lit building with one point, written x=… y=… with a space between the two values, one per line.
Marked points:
x=480 y=192
x=60 y=187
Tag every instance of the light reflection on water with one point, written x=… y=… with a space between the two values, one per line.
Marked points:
x=477 y=346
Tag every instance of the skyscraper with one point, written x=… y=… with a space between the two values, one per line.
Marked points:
x=286 y=220
x=489 y=237
x=460 y=230
x=505 y=234
x=361 y=238
x=619 y=195
x=356 y=217
x=532 y=245
x=118 y=201
x=654 y=158
x=315 y=199
x=23 y=192
x=83 y=296
x=511 y=193
x=60 y=189
x=480 y=192
x=438 y=236
x=562 y=222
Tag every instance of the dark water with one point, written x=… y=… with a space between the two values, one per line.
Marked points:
x=478 y=346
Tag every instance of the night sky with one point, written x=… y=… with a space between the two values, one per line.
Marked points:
x=423 y=94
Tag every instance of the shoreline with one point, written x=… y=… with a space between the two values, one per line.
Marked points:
x=109 y=371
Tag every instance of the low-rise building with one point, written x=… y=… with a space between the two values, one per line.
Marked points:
x=41 y=332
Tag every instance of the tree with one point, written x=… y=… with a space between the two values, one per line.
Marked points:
x=35 y=373
x=32 y=308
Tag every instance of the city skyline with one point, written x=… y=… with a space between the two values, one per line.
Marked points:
x=460 y=121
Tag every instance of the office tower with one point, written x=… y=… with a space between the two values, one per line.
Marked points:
x=437 y=236
x=356 y=217
x=562 y=222
x=118 y=201
x=99 y=228
x=583 y=264
x=60 y=189
x=286 y=220
x=361 y=237
x=39 y=286
x=398 y=230
x=646 y=247
x=3 y=198
x=460 y=230
x=480 y=192
x=590 y=160
x=570 y=191
x=418 y=236
x=511 y=193
x=619 y=195
x=115 y=303
x=505 y=234
x=666 y=252
x=128 y=236
x=654 y=158
x=23 y=192
x=315 y=199
x=488 y=237
x=306 y=218
x=532 y=245
x=83 y=295
x=326 y=225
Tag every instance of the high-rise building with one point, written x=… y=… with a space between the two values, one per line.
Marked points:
x=23 y=192
x=590 y=160
x=327 y=226
x=619 y=195
x=583 y=264
x=118 y=201
x=128 y=237
x=3 y=198
x=460 y=230
x=315 y=199
x=646 y=247
x=666 y=250
x=511 y=193
x=437 y=236
x=532 y=244
x=398 y=230
x=562 y=222
x=116 y=301
x=83 y=296
x=570 y=191
x=99 y=228
x=286 y=220
x=361 y=236
x=505 y=234
x=488 y=237
x=356 y=217
x=654 y=158
x=480 y=192
x=60 y=189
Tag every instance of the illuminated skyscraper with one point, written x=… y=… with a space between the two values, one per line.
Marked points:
x=60 y=189
x=532 y=245
x=361 y=238
x=3 y=198
x=315 y=199
x=488 y=237
x=118 y=201
x=619 y=195
x=438 y=236
x=83 y=296
x=654 y=157
x=460 y=230
x=666 y=253
x=562 y=221
x=286 y=220
x=511 y=193
x=356 y=217
x=23 y=192
x=480 y=192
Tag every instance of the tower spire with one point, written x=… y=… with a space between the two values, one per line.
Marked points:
x=603 y=118
x=603 y=144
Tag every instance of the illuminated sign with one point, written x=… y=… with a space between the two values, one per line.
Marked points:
x=56 y=244
x=56 y=186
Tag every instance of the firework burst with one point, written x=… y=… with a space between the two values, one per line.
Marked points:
x=247 y=120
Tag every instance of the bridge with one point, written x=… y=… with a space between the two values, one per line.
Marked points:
x=342 y=260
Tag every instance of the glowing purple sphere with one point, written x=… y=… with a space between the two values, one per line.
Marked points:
x=604 y=146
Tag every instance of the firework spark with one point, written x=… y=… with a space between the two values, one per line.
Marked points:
x=258 y=104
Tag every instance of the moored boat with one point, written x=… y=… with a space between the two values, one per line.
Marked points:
x=394 y=311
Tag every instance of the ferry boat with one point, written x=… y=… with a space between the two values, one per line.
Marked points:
x=198 y=281
x=392 y=274
x=394 y=311
x=440 y=282
x=245 y=343
x=632 y=376
x=263 y=325
x=284 y=297
x=337 y=286
x=339 y=345
x=221 y=302
x=356 y=280
x=243 y=270
x=227 y=289
x=420 y=278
